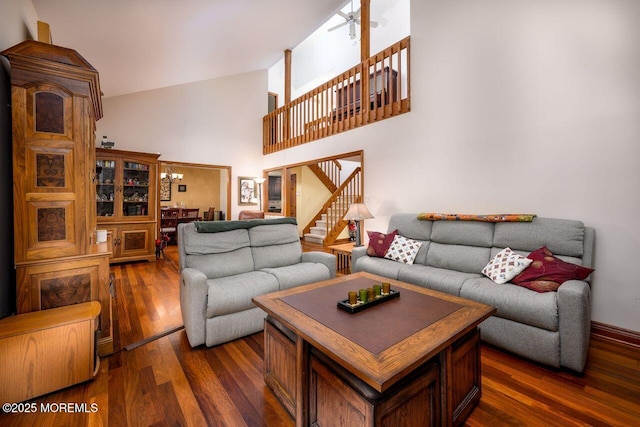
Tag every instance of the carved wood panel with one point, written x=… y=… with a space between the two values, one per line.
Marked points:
x=50 y=170
x=49 y=112
x=65 y=290
x=51 y=224
x=135 y=240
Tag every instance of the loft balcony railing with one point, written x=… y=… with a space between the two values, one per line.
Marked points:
x=337 y=105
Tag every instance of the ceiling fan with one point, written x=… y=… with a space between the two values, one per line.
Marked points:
x=352 y=18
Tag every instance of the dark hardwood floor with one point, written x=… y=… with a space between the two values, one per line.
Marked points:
x=167 y=383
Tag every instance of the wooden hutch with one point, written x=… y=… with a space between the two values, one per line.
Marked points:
x=56 y=101
x=125 y=202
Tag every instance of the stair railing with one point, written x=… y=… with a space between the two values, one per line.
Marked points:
x=339 y=105
x=350 y=191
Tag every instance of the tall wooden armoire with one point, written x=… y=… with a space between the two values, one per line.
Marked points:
x=56 y=101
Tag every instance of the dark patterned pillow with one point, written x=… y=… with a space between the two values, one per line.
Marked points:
x=546 y=273
x=379 y=243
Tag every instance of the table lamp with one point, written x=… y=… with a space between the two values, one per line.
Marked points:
x=357 y=212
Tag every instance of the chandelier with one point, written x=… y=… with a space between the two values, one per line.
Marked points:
x=170 y=175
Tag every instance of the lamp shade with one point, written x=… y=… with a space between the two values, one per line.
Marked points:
x=358 y=212
x=259 y=180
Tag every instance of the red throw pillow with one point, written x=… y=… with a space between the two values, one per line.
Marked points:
x=379 y=243
x=546 y=273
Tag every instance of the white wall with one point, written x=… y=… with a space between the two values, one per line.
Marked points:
x=528 y=107
x=18 y=22
x=214 y=121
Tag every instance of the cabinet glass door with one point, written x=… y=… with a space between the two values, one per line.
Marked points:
x=135 y=189
x=105 y=187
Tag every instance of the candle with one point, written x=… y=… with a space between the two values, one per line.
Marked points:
x=353 y=298
x=377 y=289
x=371 y=294
x=386 y=288
x=363 y=295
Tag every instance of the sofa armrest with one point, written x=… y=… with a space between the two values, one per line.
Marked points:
x=356 y=254
x=193 y=303
x=323 y=258
x=574 y=316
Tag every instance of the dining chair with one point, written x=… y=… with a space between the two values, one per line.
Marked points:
x=169 y=222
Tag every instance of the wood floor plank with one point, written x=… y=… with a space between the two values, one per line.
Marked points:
x=213 y=399
x=165 y=382
x=249 y=376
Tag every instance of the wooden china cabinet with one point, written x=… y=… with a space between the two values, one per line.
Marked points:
x=56 y=100
x=125 y=201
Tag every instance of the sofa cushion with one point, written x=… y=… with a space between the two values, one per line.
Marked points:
x=274 y=234
x=233 y=293
x=438 y=279
x=275 y=245
x=515 y=302
x=379 y=242
x=408 y=225
x=276 y=255
x=214 y=243
x=222 y=264
x=468 y=233
x=561 y=236
x=466 y=259
x=403 y=249
x=380 y=266
x=505 y=265
x=546 y=272
x=299 y=274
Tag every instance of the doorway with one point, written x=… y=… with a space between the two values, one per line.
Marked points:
x=202 y=186
x=300 y=193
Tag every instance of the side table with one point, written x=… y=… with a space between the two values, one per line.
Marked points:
x=343 y=256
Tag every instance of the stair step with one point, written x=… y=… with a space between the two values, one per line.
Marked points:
x=322 y=224
x=320 y=231
x=314 y=238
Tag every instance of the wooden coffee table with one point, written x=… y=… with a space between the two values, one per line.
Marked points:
x=413 y=360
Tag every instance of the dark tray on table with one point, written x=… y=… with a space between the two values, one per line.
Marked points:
x=344 y=304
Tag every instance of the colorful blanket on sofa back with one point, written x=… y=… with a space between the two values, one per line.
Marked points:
x=433 y=216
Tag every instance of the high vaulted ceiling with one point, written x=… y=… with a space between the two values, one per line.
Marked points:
x=139 y=45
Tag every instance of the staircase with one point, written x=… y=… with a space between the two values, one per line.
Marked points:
x=318 y=232
x=328 y=223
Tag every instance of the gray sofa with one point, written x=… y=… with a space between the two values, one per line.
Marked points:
x=552 y=328
x=224 y=264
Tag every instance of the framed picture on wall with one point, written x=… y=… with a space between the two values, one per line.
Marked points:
x=182 y=188
x=165 y=190
x=246 y=191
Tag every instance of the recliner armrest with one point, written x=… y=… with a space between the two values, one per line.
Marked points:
x=574 y=317
x=323 y=258
x=356 y=254
x=193 y=304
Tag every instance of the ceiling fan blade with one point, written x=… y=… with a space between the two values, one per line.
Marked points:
x=344 y=15
x=356 y=14
x=372 y=24
x=337 y=26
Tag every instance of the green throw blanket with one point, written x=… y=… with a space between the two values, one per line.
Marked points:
x=220 y=226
